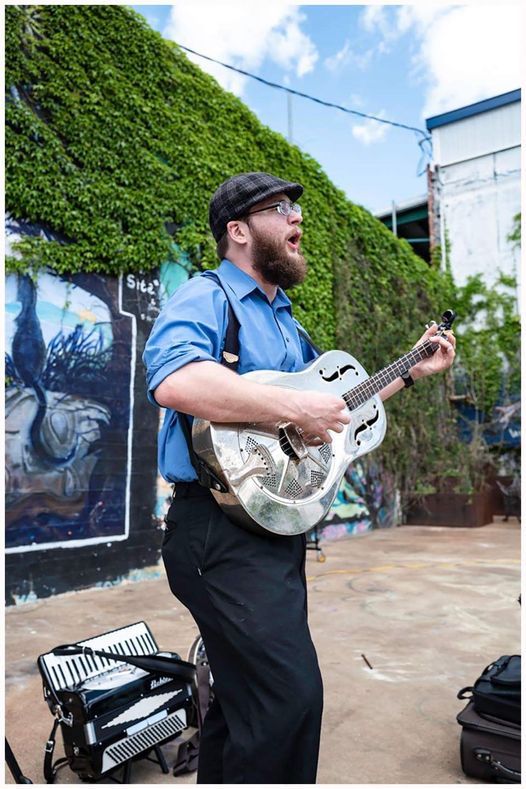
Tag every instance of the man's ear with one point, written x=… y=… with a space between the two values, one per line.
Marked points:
x=237 y=230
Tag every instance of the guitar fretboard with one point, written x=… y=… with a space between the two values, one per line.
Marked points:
x=364 y=391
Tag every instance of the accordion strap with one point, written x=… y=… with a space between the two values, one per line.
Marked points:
x=156 y=664
x=50 y=769
x=188 y=753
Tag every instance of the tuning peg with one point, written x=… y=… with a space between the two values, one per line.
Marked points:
x=448 y=317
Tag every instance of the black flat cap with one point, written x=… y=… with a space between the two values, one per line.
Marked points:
x=235 y=196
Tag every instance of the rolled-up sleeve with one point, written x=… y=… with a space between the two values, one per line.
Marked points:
x=190 y=328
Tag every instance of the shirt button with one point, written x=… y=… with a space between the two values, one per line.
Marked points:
x=287 y=339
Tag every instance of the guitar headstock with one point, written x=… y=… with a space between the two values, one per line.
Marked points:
x=448 y=316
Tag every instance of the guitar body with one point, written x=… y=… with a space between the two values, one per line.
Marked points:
x=276 y=483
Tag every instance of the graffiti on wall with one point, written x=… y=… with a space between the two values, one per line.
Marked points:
x=365 y=500
x=70 y=359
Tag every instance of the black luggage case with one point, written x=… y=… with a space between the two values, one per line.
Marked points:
x=490 y=749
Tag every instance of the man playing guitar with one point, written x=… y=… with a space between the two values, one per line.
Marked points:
x=247 y=591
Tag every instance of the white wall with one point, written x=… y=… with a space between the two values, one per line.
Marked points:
x=478 y=162
x=481 y=134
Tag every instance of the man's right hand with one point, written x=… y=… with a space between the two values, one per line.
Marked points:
x=315 y=413
x=210 y=391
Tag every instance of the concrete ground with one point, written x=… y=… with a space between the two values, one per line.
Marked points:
x=402 y=619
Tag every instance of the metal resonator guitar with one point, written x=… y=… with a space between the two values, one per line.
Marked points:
x=273 y=481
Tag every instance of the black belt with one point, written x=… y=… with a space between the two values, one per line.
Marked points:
x=189 y=490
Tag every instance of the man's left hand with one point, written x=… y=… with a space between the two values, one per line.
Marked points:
x=441 y=359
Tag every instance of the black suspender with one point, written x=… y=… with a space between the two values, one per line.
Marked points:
x=230 y=354
x=230 y=359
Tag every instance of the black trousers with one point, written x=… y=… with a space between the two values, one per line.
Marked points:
x=247 y=594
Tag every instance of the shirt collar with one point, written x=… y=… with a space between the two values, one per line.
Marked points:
x=242 y=283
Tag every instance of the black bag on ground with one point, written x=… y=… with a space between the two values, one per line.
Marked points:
x=490 y=749
x=497 y=692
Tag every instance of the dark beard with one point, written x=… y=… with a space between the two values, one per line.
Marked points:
x=275 y=264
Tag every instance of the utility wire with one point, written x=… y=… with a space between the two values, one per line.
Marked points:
x=425 y=137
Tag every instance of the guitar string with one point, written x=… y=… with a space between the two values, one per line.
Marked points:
x=363 y=391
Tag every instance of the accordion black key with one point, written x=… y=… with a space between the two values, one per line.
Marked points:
x=109 y=711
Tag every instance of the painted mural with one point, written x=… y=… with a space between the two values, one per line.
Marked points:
x=68 y=369
x=365 y=500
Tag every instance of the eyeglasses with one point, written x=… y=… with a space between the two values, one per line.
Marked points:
x=283 y=207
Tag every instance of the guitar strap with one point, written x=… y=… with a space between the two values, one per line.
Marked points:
x=230 y=359
x=301 y=331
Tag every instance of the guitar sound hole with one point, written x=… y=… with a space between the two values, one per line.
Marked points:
x=366 y=423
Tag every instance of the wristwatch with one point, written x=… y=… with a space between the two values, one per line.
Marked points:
x=406 y=378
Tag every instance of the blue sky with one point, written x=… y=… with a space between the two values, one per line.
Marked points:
x=402 y=63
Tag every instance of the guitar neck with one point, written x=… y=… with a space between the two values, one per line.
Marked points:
x=364 y=391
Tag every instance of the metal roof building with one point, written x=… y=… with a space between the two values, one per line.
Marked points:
x=410 y=220
x=475 y=184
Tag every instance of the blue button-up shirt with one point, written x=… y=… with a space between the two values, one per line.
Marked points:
x=192 y=327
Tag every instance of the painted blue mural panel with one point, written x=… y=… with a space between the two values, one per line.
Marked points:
x=69 y=369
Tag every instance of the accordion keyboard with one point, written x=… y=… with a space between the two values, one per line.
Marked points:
x=66 y=671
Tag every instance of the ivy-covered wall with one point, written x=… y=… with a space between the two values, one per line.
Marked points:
x=115 y=142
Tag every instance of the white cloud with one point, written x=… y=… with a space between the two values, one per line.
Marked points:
x=242 y=35
x=375 y=19
x=370 y=131
x=340 y=58
x=470 y=53
x=378 y=20
x=462 y=54
x=288 y=46
x=423 y=16
x=363 y=59
x=346 y=56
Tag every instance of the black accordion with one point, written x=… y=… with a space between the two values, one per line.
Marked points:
x=111 y=712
